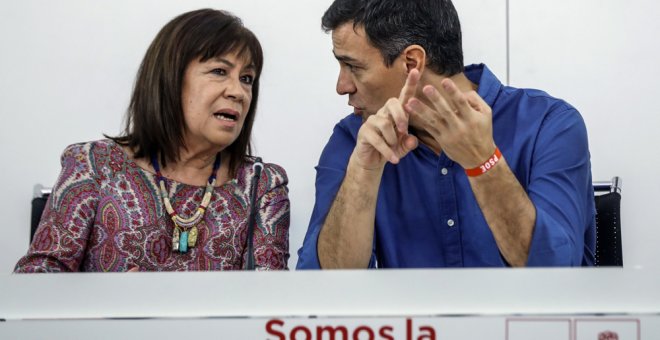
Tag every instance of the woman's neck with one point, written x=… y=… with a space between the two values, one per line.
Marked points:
x=193 y=168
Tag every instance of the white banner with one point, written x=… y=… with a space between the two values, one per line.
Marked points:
x=364 y=328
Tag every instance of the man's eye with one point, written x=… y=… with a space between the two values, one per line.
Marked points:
x=247 y=79
x=219 y=71
x=352 y=67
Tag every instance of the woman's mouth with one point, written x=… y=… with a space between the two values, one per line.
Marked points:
x=227 y=115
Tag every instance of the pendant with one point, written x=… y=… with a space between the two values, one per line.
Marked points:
x=183 y=242
x=175 y=238
x=192 y=237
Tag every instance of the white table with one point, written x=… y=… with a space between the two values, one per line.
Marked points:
x=508 y=304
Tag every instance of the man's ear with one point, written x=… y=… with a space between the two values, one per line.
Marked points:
x=414 y=57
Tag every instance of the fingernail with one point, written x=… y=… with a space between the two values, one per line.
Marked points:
x=408 y=106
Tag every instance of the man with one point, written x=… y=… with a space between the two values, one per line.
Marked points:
x=441 y=165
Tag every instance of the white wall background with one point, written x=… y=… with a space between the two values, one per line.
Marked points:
x=602 y=56
x=67 y=69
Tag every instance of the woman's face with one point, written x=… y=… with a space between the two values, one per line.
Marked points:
x=216 y=96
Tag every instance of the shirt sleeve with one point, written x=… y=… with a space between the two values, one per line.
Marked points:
x=60 y=241
x=561 y=190
x=271 y=237
x=329 y=175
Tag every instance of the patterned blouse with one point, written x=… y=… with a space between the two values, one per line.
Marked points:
x=105 y=215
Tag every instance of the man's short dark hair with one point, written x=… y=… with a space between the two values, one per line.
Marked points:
x=155 y=122
x=393 y=25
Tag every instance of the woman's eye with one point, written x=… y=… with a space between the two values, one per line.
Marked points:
x=219 y=71
x=247 y=79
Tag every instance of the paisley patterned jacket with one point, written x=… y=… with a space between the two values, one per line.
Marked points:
x=105 y=214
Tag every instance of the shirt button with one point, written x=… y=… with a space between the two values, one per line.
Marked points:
x=450 y=222
x=444 y=171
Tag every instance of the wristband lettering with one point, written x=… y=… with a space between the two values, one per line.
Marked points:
x=487 y=165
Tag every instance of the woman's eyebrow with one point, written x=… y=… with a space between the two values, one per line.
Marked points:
x=250 y=67
x=225 y=61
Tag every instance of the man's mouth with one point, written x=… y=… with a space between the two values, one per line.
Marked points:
x=357 y=110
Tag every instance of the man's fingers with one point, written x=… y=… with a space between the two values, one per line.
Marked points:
x=391 y=150
x=455 y=97
x=394 y=111
x=410 y=87
x=410 y=143
x=477 y=103
x=419 y=109
x=408 y=91
x=373 y=137
x=440 y=104
x=383 y=126
x=474 y=103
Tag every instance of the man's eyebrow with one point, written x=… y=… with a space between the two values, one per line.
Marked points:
x=345 y=58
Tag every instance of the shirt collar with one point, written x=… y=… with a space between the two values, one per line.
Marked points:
x=489 y=85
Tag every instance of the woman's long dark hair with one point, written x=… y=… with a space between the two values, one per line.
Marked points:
x=154 y=121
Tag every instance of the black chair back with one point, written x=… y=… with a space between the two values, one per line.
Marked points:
x=608 y=223
x=38 y=204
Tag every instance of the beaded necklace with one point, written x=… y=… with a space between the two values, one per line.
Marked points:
x=185 y=229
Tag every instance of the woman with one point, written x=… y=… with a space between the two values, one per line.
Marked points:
x=177 y=191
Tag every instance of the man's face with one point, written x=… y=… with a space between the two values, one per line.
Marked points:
x=363 y=74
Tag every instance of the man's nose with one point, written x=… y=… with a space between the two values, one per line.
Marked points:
x=345 y=84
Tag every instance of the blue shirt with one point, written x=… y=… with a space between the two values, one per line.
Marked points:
x=427 y=215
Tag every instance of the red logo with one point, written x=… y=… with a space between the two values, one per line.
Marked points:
x=608 y=335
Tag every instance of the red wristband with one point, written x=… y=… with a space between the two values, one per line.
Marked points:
x=487 y=165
